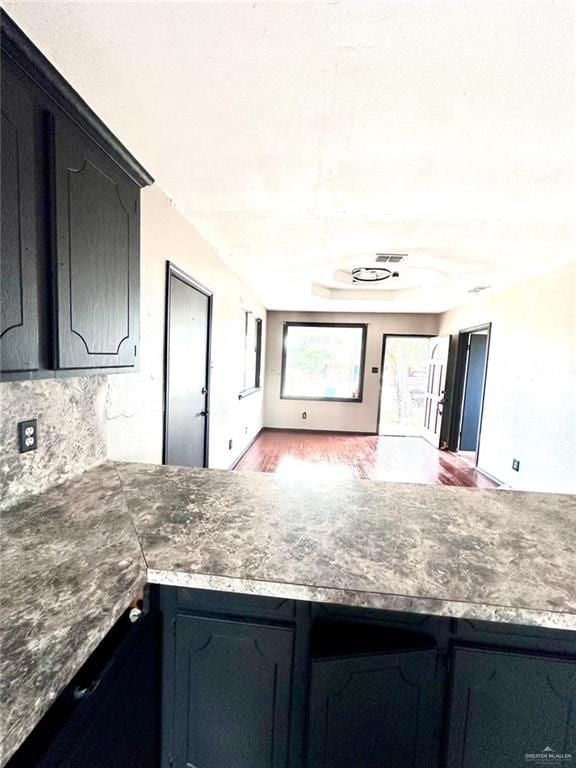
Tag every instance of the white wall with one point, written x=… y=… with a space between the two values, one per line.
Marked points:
x=134 y=407
x=530 y=401
x=347 y=417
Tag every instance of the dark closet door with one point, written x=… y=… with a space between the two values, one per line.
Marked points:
x=474 y=391
x=22 y=185
x=232 y=694
x=506 y=705
x=377 y=711
x=96 y=254
x=187 y=369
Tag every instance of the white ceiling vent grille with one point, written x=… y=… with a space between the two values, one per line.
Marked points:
x=390 y=258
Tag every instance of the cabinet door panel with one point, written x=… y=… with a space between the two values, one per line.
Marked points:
x=97 y=263
x=507 y=705
x=20 y=177
x=374 y=711
x=232 y=694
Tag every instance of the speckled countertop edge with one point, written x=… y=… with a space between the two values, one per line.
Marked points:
x=359 y=599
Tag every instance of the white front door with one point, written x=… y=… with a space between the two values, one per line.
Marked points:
x=435 y=387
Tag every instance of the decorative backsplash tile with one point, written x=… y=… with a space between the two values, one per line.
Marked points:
x=71 y=432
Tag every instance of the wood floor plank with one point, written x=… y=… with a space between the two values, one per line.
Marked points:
x=362 y=457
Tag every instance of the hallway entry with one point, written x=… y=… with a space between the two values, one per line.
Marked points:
x=187 y=370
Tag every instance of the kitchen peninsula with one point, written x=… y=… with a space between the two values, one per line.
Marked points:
x=363 y=554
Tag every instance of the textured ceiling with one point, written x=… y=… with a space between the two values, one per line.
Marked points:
x=302 y=138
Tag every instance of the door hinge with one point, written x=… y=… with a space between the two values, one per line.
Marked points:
x=135 y=350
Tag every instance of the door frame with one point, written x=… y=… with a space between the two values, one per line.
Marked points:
x=459 y=387
x=174 y=271
x=382 y=358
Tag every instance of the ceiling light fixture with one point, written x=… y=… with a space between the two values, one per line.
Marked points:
x=372 y=274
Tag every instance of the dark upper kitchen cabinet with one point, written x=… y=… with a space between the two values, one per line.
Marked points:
x=231 y=694
x=506 y=705
x=70 y=226
x=19 y=174
x=96 y=214
x=374 y=711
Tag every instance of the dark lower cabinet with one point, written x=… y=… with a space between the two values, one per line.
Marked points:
x=374 y=711
x=232 y=694
x=255 y=682
x=506 y=706
x=250 y=682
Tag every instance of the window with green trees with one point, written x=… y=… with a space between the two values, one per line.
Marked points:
x=323 y=361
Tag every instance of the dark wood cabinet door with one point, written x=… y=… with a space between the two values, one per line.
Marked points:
x=21 y=176
x=377 y=711
x=232 y=694
x=506 y=706
x=96 y=254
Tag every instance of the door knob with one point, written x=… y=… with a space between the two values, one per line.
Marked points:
x=202 y=413
x=204 y=390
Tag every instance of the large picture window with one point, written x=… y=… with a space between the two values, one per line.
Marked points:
x=323 y=361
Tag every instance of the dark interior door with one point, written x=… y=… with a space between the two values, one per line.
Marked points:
x=474 y=391
x=188 y=329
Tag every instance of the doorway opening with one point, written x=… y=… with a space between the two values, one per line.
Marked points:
x=403 y=385
x=472 y=364
x=186 y=370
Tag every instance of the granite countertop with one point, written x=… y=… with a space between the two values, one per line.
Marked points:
x=495 y=555
x=75 y=556
x=71 y=564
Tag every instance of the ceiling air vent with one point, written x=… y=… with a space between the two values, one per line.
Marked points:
x=390 y=258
